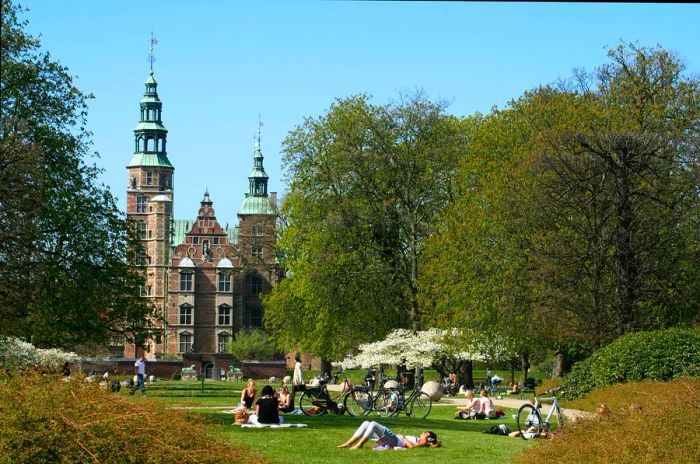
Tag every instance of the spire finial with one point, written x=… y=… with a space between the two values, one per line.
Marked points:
x=151 y=55
x=206 y=198
x=257 y=144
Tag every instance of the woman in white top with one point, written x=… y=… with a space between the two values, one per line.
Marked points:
x=486 y=408
x=387 y=439
x=469 y=410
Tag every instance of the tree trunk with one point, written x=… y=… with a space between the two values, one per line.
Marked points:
x=559 y=364
x=325 y=367
x=468 y=374
x=511 y=363
x=525 y=364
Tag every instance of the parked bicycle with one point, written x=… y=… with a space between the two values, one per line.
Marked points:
x=317 y=400
x=360 y=400
x=391 y=402
x=529 y=417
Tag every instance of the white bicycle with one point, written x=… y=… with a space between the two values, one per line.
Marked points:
x=529 y=417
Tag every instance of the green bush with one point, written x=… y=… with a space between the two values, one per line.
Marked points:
x=657 y=355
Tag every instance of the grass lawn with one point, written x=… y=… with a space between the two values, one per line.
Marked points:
x=463 y=441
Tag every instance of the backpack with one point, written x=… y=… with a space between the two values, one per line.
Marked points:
x=501 y=429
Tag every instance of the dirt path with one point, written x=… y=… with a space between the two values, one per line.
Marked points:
x=514 y=403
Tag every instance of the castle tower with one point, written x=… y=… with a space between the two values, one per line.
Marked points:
x=150 y=199
x=257 y=236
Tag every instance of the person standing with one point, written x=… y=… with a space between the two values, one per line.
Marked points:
x=140 y=371
x=298 y=379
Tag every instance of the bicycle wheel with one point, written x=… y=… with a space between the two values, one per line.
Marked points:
x=529 y=422
x=313 y=402
x=386 y=403
x=358 y=402
x=420 y=406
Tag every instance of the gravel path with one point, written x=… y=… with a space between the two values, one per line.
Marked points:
x=514 y=403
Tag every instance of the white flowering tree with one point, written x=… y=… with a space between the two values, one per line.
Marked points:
x=444 y=350
x=18 y=353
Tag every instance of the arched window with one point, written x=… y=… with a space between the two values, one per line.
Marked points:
x=224 y=315
x=186 y=311
x=223 y=340
x=185 y=342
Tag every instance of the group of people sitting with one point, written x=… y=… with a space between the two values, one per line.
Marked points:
x=270 y=404
x=478 y=408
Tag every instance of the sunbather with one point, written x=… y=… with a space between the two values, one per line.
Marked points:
x=387 y=439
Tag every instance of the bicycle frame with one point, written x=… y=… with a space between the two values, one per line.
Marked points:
x=553 y=408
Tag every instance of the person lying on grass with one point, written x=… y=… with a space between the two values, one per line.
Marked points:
x=387 y=439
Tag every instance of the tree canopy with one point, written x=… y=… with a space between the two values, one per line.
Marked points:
x=65 y=248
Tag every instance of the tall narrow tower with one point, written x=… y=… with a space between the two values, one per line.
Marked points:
x=150 y=199
x=257 y=236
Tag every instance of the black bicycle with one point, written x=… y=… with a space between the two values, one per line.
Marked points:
x=360 y=400
x=391 y=402
x=317 y=401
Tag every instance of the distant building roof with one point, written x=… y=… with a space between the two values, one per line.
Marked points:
x=149 y=159
x=161 y=198
x=257 y=205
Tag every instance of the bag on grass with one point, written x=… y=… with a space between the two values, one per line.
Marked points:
x=501 y=429
x=240 y=415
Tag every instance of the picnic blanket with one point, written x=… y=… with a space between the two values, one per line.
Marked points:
x=273 y=426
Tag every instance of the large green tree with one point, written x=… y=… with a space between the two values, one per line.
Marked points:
x=366 y=184
x=65 y=249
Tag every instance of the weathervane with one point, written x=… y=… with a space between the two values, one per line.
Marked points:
x=260 y=124
x=151 y=56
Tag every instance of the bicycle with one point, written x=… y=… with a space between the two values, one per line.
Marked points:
x=529 y=418
x=360 y=400
x=392 y=402
x=316 y=401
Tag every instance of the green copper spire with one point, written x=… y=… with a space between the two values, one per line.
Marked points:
x=256 y=200
x=150 y=135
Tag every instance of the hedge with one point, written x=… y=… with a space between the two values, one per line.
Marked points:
x=656 y=355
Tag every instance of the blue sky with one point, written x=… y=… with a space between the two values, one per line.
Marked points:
x=221 y=63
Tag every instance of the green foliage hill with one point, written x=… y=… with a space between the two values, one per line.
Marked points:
x=655 y=355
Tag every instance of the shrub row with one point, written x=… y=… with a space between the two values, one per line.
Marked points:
x=656 y=355
x=47 y=419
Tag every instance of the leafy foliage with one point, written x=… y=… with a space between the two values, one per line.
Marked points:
x=658 y=355
x=65 y=248
x=253 y=344
x=46 y=419
x=366 y=182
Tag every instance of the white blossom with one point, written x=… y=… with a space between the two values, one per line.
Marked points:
x=16 y=352
x=423 y=349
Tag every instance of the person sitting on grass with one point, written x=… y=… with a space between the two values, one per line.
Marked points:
x=248 y=394
x=266 y=408
x=486 y=409
x=285 y=400
x=469 y=410
x=386 y=439
x=514 y=388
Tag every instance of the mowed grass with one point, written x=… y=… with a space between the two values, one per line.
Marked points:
x=463 y=441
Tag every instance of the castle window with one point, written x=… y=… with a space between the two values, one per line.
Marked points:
x=256 y=319
x=224 y=282
x=255 y=285
x=257 y=230
x=149 y=177
x=141 y=204
x=186 y=314
x=142 y=258
x=145 y=290
x=185 y=342
x=215 y=240
x=256 y=250
x=141 y=229
x=223 y=341
x=224 y=315
x=195 y=240
x=185 y=281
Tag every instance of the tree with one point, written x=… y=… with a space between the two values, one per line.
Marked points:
x=366 y=184
x=253 y=344
x=618 y=196
x=65 y=249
